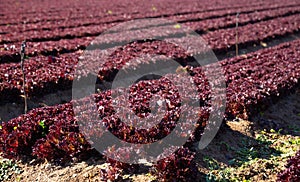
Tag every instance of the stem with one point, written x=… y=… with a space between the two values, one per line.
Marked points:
x=236 y=35
x=23 y=74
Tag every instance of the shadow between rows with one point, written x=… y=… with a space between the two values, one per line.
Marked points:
x=234 y=148
x=283 y=116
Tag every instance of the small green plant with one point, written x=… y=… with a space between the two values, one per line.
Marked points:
x=270 y=149
x=263 y=139
x=295 y=141
x=8 y=168
x=42 y=124
x=211 y=163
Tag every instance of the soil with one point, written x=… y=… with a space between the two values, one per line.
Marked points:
x=9 y=110
x=14 y=109
x=253 y=150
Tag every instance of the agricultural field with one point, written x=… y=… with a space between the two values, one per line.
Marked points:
x=157 y=90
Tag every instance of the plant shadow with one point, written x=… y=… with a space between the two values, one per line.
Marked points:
x=283 y=115
x=234 y=148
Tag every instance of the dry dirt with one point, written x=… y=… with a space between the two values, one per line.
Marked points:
x=254 y=150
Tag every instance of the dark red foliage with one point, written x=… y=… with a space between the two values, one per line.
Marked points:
x=252 y=14
x=292 y=171
x=53 y=133
x=95 y=30
x=62 y=142
x=126 y=167
x=18 y=135
x=43 y=74
x=251 y=83
x=177 y=167
x=83 y=13
x=111 y=173
x=51 y=42
x=37 y=134
x=44 y=77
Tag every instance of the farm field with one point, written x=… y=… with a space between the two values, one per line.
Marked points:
x=249 y=80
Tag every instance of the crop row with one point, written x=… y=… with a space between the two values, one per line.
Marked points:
x=52 y=132
x=142 y=10
x=56 y=34
x=94 y=30
x=273 y=11
x=219 y=40
x=42 y=74
x=102 y=10
x=230 y=21
x=50 y=72
x=82 y=7
x=10 y=52
x=253 y=33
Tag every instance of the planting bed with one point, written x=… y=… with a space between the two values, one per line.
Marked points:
x=219 y=40
x=155 y=9
x=73 y=30
x=258 y=88
x=52 y=73
x=57 y=36
x=252 y=13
